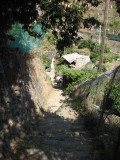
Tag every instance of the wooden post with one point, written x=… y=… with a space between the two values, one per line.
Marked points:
x=104 y=35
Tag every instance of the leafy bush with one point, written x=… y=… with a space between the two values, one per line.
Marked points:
x=47 y=62
x=115 y=96
x=115 y=25
x=91 y=21
x=50 y=37
x=104 y=68
x=48 y=43
x=73 y=49
x=73 y=77
x=81 y=77
x=111 y=58
x=94 y=48
x=92 y=45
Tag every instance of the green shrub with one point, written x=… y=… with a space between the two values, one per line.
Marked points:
x=94 y=48
x=70 y=88
x=73 y=77
x=92 y=45
x=112 y=57
x=48 y=43
x=47 y=62
x=107 y=49
x=115 y=96
x=69 y=50
x=108 y=59
x=104 y=68
x=94 y=56
x=115 y=25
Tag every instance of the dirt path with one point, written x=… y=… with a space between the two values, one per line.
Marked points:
x=57 y=104
x=60 y=134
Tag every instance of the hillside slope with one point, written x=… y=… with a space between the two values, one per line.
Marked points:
x=24 y=89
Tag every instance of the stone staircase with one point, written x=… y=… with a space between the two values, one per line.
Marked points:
x=56 y=138
x=59 y=134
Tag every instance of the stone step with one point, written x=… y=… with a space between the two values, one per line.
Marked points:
x=58 y=124
x=66 y=145
x=60 y=136
x=39 y=154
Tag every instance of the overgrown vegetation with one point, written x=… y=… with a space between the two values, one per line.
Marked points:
x=115 y=25
x=94 y=48
x=115 y=96
x=73 y=77
x=48 y=43
x=63 y=18
x=46 y=62
x=73 y=49
x=90 y=22
x=102 y=114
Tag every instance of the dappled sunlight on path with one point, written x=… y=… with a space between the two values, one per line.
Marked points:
x=58 y=135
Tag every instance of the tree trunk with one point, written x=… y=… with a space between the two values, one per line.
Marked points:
x=104 y=35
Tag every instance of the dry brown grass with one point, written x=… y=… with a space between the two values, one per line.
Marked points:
x=113 y=65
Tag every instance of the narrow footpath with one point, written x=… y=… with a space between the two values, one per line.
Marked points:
x=60 y=134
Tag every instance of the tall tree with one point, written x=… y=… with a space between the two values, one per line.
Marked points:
x=62 y=16
x=23 y=11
